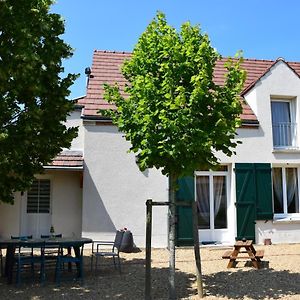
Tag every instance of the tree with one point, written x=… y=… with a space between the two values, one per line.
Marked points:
x=175 y=116
x=33 y=96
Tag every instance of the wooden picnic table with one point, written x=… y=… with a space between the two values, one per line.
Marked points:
x=244 y=247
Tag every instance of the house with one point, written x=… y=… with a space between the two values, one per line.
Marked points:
x=95 y=187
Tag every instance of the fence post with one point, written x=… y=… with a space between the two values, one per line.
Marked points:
x=197 y=251
x=148 y=249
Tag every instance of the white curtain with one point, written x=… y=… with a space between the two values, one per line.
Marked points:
x=292 y=189
x=202 y=188
x=218 y=192
x=277 y=187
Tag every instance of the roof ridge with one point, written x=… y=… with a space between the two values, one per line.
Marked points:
x=223 y=57
x=113 y=51
x=257 y=59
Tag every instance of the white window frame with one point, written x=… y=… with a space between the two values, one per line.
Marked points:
x=285 y=215
x=293 y=115
x=210 y=175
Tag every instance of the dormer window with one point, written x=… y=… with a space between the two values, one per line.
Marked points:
x=283 y=124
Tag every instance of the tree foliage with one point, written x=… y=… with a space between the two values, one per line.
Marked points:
x=175 y=116
x=33 y=96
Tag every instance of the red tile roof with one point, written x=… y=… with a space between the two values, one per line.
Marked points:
x=67 y=159
x=106 y=68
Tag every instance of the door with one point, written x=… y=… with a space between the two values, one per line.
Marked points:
x=211 y=191
x=212 y=203
x=36 y=209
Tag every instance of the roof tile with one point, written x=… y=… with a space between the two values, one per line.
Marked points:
x=106 y=68
x=68 y=159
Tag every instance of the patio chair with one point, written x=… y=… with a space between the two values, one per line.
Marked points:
x=47 y=236
x=113 y=253
x=51 y=251
x=25 y=250
x=21 y=237
x=22 y=260
x=68 y=258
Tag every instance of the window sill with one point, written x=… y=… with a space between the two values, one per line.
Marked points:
x=286 y=150
x=285 y=220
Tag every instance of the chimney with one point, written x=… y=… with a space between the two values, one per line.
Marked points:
x=88 y=74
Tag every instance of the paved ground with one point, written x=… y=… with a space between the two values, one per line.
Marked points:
x=278 y=279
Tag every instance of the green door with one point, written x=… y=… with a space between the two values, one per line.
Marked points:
x=253 y=197
x=184 y=224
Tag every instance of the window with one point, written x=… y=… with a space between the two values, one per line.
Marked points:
x=283 y=124
x=285 y=190
x=38 y=197
x=211 y=195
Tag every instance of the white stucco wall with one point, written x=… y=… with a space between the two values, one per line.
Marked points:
x=278 y=231
x=115 y=191
x=67 y=202
x=10 y=217
x=74 y=120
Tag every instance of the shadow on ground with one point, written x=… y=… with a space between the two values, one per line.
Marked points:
x=104 y=283
x=107 y=283
x=255 y=284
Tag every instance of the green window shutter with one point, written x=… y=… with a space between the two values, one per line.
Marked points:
x=184 y=225
x=253 y=197
x=245 y=201
x=264 y=203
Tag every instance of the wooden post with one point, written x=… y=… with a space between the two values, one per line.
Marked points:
x=148 y=250
x=172 y=212
x=197 y=251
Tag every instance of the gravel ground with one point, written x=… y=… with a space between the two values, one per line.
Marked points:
x=278 y=279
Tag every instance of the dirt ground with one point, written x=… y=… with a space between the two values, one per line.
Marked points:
x=279 y=278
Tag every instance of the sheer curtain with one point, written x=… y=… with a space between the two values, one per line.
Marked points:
x=218 y=192
x=292 y=190
x=202 y=187
x=277 y=188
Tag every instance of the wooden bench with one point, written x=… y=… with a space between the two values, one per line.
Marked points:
x=259 y=254
x=227 y=254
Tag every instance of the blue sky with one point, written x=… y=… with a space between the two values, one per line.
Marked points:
x=265 y=29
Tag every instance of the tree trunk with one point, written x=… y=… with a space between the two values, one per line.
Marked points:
x=148 y=294
x=172 y=212
x=197 y=252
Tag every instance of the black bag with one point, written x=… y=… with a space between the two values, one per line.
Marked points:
x=127 y=242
